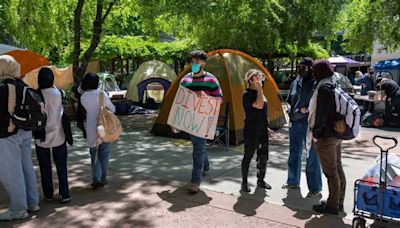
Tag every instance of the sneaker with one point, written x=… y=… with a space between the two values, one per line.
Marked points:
x=314 y=195
x=290 y=186
x=33 y=208
x=194 y=188
x=94 y=185
x=341 y=207
x=66 y=199
x=245 y=188
x=48 y=200
x=9 y=215
x=102 y=183
x=263 y=184
x=205 y=172
x=323 y=209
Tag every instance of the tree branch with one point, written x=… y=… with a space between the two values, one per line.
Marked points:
x=110 y=6
x=77 y=38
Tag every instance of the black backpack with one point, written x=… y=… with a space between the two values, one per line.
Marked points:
x=29 y=110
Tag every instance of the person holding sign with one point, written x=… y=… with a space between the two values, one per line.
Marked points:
x=201 y=83
x=256 y=131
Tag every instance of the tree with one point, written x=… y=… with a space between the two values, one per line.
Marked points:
x=79 y=68
x=366 y=21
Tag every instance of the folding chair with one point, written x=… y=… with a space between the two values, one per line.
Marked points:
x=222 y=131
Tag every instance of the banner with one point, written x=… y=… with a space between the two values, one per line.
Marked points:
x=193 y=114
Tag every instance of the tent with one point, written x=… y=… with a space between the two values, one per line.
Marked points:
x=63 y=78
x=341 y=60
x=229 y=66
x=343 y=82
x=390 y=66
x=149 y=73
x=26 y=58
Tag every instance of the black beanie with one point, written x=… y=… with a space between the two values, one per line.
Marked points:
x=45 y=78
x=307 y=61
x=90 y=82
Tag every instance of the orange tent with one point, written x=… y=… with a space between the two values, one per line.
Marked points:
x=229 y=66
x=27 y=59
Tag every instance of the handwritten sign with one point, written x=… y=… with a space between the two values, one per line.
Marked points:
x=193 y=114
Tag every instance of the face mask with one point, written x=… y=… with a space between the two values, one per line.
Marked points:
x=196 y=68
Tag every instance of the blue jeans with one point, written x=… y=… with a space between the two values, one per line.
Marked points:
x=200 y=158
x=297 y=134
x=99 y=162
x=16 y=171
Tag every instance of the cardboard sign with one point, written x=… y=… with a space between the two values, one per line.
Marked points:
x=195 y=115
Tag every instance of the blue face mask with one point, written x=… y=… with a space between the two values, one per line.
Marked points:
x=196 y=68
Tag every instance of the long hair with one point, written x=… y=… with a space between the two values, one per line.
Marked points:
x=45 y=78
x=90 y=82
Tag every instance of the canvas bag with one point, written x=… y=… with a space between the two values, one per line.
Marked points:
x=109 y=127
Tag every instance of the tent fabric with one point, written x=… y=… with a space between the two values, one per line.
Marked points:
x=147 y=70
x=230 y=67
x=63 y=77
x=27 y=59
x=141 y=87
x=341 y=60
x=388 y=64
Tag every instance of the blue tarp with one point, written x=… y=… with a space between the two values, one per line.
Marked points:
x=390 y=64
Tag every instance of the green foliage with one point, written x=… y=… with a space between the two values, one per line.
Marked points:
x=366 y=21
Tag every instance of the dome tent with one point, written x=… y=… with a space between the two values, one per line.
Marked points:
x=230 y=67
x=149 y=72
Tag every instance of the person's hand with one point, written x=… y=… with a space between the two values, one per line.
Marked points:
x=256 y=83
x=304 y=110
x=270 y=132
x=200 y=93
x=174 y=130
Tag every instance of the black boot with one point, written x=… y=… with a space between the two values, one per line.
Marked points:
x=260 y=182
x=245 y=187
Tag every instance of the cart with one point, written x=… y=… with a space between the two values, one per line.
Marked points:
x=377 y=200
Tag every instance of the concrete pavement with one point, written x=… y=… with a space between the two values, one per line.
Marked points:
x=148 y=174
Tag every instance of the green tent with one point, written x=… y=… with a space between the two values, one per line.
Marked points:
x=109 y=81
x=152 y=78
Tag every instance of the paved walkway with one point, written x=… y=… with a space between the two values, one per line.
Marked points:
x=147 y=186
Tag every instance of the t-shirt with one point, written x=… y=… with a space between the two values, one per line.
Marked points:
x=207 y=83
x=256 y=119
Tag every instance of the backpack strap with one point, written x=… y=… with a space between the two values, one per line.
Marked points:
x=12 y=101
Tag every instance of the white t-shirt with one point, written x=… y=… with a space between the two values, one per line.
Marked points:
x=90 y=101
x=54 y=110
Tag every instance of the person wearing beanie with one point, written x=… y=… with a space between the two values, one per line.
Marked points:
x=256 y=130
x=99 y=151
x=52 y=139
x=16 y=168
x=321 y=121
x=298 y=100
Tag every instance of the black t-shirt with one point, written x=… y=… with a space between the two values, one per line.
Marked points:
x=256 y=119
x=391 y=88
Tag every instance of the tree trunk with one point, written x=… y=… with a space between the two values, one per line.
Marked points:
x=96 y=35
x=77 y=38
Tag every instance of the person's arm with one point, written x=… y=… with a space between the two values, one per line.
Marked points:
x=259 y=103
x=109 y=105
x=326 y=108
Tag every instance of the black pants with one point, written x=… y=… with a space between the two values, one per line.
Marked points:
x=60 y=159
x=255 y=141
x=388 y=115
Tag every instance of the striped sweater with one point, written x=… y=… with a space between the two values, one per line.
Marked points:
x=207 y=83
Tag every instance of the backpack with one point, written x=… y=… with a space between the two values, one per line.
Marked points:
x=348 y=125
x=108 y=125
x=28 y=112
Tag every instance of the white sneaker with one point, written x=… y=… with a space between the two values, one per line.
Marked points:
x=33 y=208
x=9 y=215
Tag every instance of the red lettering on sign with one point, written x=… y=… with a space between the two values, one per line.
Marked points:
x=180 y=96
x=187 y=98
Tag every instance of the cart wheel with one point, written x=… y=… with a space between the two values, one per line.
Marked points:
x=358 y=222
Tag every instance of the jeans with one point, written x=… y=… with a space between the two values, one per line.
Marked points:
x=16 y=171
x=200 y=158
x=297 y=134
x=329 y=151
x=99 y=162
x=60 y=159
x=255 y=141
